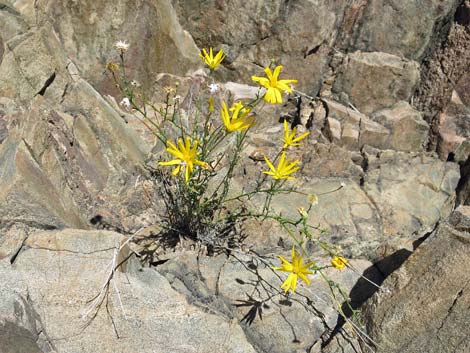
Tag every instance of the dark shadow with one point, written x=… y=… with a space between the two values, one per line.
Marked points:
x=99 y=222
x=17 y=339
x=462 y=15
x=256 y=309
x=463 y=187
x=363 y=289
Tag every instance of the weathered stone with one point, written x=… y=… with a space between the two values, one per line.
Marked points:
x=460 y=218
x=274 y=323
x=400 y=184
x=350 y=129
x=333 y=129
x=89 y=29
x=296 y=35
x=408 y=130
x=424 y=307
x=21 y=329
x=447 y=66
x=63 y=271
x=373 y=134
x=330 y=160
x=33 y=65
x=57 y=163
x=409 y=38
x=386 y=78
x=453 y=130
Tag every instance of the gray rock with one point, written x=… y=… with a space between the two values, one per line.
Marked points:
x=21 y=329
x=453 y=129
x=445 y=69
x=350 y=129
x=247 y=286
x=424 y=307
x=398 y=198
x=63 y=271
x=89 y=29
x=386 y=78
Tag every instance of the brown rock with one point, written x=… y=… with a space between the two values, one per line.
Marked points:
x=423 y=307
x=409 y=38
x=408 y=130
x=386 y=78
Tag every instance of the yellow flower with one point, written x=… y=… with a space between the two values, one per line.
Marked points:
x=339 y=262
x=210 y=60
x=284 y=168
x=235 y=122
x=296 y=270
x=289 y=136
x=274 y=87
x=185 y=157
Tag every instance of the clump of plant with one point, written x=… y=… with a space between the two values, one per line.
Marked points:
x=204 y=145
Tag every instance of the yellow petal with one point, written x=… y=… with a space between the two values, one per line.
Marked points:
x=270 y=165
x=304 y=278
x=277 y=71
x=172 y=162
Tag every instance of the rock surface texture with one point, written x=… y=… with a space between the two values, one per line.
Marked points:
x=385 y=94
x=425 y=303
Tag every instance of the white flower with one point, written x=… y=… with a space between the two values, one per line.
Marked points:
x=126 y=103
x=214 y=88
x=134 y=83
x=121 y=45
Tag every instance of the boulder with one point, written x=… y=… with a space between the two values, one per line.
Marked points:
x=453 y=129
x=351 y=129
x=395 y=200
x=401 y=184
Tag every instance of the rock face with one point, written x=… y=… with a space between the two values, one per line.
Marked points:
x=383 y=212
x=242 y=286
x=386 y=78
x=297 y=35
x=388 y=156
x=139 y=303
x=434 y=277
x=411 y=38
x=399 y=128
